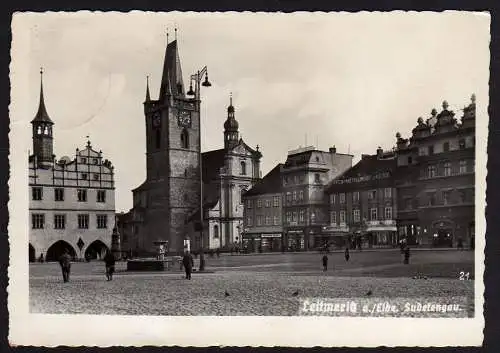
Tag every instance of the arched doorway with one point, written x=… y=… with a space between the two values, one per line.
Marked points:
x=96 y=250
x=57 y=249
x=32 y=254
x=443 y=233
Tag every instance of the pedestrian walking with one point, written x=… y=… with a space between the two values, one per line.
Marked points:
x=109 y=261
x=407 y=255
x=217 y=252
x=346 y=254
x=41 y=258
x=325 y=262
x=188 y=263
x=65 y=262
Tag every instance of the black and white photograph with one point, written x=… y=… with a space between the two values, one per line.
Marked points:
x=248 y=179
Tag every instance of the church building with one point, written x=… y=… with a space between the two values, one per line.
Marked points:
x=166 y=206
x=72 y=201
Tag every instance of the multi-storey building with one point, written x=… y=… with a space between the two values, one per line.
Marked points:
x=305 y=207
x=263 y=229
x=435 y=180
x=72 y=201
x=167 y=205
x=363 y=204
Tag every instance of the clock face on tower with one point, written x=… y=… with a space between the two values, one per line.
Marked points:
x=156 y=119
x=184 y=118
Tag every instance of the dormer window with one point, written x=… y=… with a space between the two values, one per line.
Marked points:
x=243 y=170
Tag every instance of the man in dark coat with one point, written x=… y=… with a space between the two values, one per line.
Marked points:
x=109 y=261
x=407 y=255
x=65 y=262
x=325 y=262
x=346 y=253
x=188 y=263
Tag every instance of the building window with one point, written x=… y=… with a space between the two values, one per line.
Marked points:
x=317 y=178
x=446 y=197
x=268 y=203
x=249 y=204
x=84 y=160
x=431 y=150
x=268 y=220
x=288 y=197
x=461 y=144
x=432 y=198
x=294 y=196
x=83 y=221
x=59 y=194
x=102 y=221
x=372 y=194
x=296 y=179
x=289 y=216
x=95 y=160
x=96 y=176
x=249 y=220
x=259 y=220
x=302 y=214
x=356 y=215
x=355 y=196
x=333 y=217
x=388 y=213
x=276 y=201
x=463 y=166
x=36 y=193
x=373 y=214
x=243 y=169
x=259 y=203
x=446 y=147
x=184 y=139
x=84 y=176
x=301 y=195
x=285 y=180
x=431 y=171
x=59 y=221
x=216 y=231
x=342 y=217
x=410 y=160
x=462 y=196
x=388 y=193
x=447 y=169
x=82 y=195
x=276 y=220
x=101 y=195
x=422 y=151
x=37 y=221
x=294 y=216
x=342 y=197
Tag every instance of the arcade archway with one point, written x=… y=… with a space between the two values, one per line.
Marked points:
x=57 y=249
x=96 y=250
x=32 y=254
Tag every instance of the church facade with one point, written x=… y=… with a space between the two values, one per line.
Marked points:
x=72 y=201
x=166 y=207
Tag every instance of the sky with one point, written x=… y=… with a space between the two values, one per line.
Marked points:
x=325 y=79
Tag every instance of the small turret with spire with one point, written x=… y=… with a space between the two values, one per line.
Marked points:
x=42 y=131
x=230 y=127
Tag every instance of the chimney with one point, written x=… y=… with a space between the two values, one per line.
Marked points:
x=380 y=152
x=333 y=150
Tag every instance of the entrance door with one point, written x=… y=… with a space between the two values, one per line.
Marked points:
x=443 y=238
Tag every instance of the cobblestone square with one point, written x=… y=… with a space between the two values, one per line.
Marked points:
x=256 y=284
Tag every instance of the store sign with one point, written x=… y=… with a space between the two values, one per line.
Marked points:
x=377 y=176
x=271 y=235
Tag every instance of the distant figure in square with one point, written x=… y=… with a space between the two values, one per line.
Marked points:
x=217 y=252
x=41 y=258
x=407 y=255
x=188 y=263
x=346 y=254
x=325 y=262
x=65 y=262
x=109 y=261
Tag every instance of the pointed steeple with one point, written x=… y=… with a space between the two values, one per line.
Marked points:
x=41 y=115
x=230 y=126
x=148 y=97
x=171 y=81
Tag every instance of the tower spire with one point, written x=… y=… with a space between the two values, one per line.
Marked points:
x=171 y=81
x=42 y=115
x=148 y=97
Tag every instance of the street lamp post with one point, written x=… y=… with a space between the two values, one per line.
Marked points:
x=197 y=77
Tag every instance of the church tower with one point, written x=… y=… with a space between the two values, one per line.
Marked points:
x=42 y=132
x=230 y=127
x=172 y=156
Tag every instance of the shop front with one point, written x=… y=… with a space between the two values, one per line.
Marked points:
x=271 y=242
x=251 y=242
x=295 y=240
